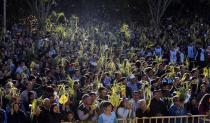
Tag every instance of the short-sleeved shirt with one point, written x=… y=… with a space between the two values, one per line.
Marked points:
x=107 y=119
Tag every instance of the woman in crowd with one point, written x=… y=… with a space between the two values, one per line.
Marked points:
x=55 y=116
x=124 y=110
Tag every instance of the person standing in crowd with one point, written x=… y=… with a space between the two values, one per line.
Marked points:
x=173 y=55
x=158 y=51
x=177 y=108
x=24 y=95
x=108 y=115
x=67 y=108
x=125 y=109
x=55 y=116
x=192 y=106
x=157 y=105
x=134 y=102
x=204 y=104
x=102 y=94
x=16 y=115
x=191 y=55
x=133 y=84
x=200 y=56
x=143 y=110
x=44 y=116
x=85 y=113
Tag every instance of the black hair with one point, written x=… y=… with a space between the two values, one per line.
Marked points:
x=52 y=106
x=101 y=89
x=106 y=104
x=31 y=77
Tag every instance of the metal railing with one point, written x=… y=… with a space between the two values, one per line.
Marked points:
x=168 y=119
x=161 y=119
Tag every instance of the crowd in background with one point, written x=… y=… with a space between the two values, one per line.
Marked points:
x=166 y=62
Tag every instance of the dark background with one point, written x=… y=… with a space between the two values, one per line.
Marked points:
x=135 y=10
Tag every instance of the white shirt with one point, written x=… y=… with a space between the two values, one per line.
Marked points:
x=181 y=57
x=135 y=106
x=202 y=56
x=173 y=57
x=123 y=112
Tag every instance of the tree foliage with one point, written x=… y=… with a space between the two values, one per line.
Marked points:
x=41 y=9
x=157 y=9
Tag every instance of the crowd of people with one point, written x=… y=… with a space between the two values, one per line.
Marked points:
x=104 y=73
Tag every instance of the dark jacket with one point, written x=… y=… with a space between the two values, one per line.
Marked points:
x=55 y=118
x=17 y=117
x=44 y=116
x=141 y=114
x=158 y=107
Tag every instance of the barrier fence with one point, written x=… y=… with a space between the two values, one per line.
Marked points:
x=168 y=119
x=161 y=119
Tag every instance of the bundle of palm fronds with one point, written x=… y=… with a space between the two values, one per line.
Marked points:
x=60 y=31
x=159 y=59
x=125 y=29
x=114 y=98
x=111 y=67
x=61 y=61
x=97 y=82
x=146 y=89
x=185 y=77
x=71 y=86
x=187 y=63
x=125 y=68
x=102 y=58
x=82 y=56
x=12 y=93
x=206 y=72
x=62 y=94
x=74 y=20
x=182 y=93
x=131 y=54
x=35 y=105
x=32 y=65
x=122 y=90
x=171 y=72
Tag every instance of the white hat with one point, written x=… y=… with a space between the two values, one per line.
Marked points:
x=132 y=76
x=93 y=63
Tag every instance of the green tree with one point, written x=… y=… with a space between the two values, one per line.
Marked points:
x=41 y=9
x=157 y=9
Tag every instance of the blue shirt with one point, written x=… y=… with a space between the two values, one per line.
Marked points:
x=107 y=119
x=4 y=115
x=134 y=86
x=175 y=111
x=190 y=52
x=158 y=52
